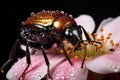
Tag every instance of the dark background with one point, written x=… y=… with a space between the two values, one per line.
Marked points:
x=15 y=12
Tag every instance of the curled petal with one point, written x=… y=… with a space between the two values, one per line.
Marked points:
x=112 y=26
x=65 y=71
x=37 y=69
x=87 y=22
x=109 y=63
x=105 y=21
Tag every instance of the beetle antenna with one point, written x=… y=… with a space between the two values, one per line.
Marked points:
x=87 y=36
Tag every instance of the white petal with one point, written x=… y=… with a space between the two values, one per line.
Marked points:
x=105 y=21
x=23 y=47
x=109 y=63
x=87 y=22
x=112 y=26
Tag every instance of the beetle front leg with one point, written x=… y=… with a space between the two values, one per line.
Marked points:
x=61 y=45
x=11 y=55
x=46 y=60
x=28 y=60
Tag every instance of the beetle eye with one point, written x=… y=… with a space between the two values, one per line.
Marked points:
x=68 y=33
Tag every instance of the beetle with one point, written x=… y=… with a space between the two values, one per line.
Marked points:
x=45 y=28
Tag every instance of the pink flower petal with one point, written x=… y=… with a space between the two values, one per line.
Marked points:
x=37 y=69
x=112 y=27
x=109 y=63
x=65 y=71
x=87 y=22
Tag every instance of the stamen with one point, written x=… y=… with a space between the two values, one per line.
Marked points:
x=108 y=37
x=76 y=57
x=103 y=51
x=86 y=43
x=101 y=46
x=111 y=42
x=101 y=29
x=110 y=34
x=68 y=51
x=90 y=35
x=95 y=34
x=61 y=51
x=102 y=38
x=117 y=44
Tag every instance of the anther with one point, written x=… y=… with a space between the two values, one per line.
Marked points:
x=76 y=57
x=95 y=34
x=61 y=51
x=68 y=51
x=108 y=37
x=101 y=29
x=117 y=44
x=110 y=34
x=102 y=36
x=111 y=42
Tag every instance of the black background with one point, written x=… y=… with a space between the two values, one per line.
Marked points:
x=15 y=12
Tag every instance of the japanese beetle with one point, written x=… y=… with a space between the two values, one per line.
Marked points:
x=45 y=28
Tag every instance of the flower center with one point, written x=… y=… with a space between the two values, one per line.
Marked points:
x=92 y=49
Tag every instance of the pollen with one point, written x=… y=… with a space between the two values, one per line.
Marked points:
x=111 y=42
x=76 y=57
x=68 y=51
x=101 y=29
x=95 y=34
x=61 y=51
x=117 y=44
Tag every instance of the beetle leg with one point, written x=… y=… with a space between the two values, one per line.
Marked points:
x=61 y=45
x=27 y=59
x=86 y=34
x=11 y=55
x=85 y=48
x=46 y=60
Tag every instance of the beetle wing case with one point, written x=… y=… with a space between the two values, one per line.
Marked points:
x=59 y=20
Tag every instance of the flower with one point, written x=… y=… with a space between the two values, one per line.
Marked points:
x=101 y=58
